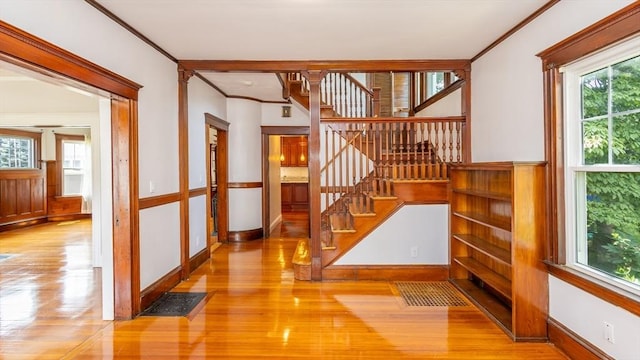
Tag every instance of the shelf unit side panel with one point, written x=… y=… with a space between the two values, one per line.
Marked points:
x=530 y=308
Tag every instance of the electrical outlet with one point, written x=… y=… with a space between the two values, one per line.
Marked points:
x=608 y=332
x=414 y=251
x=152 y=187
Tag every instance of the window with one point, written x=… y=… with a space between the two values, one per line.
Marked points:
x=602 y=169
x=71 y=160
x=18 y=149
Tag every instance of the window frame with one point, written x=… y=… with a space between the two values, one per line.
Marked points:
x=613 y=29
x=60 y=138
x=37 y=138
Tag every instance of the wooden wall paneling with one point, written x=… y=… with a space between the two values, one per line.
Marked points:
x=22 y=195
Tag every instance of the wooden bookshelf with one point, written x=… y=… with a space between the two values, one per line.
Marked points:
x=497 y=243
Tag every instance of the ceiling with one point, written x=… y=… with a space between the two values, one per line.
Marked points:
x=300 y=30
x=317 y=30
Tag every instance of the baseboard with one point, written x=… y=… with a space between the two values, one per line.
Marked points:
x=386 y=272
x=155 y=290
x=22 y=224
x=572 y=344
x=199 y=259
x=245 y=235
x=275 y=223
x=68 y=217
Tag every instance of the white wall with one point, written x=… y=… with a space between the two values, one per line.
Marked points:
x=450 y=105
x=423 y=228
x=586 y=314
x=79 y=28
x=202 y=99
x=508 y=124
x=506 y=88
x=272 y=115
x=245 y=165
x=158 y=223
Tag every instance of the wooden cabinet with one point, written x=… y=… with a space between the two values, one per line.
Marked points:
x=497 y=243
x=294 y=151
x=295 y=196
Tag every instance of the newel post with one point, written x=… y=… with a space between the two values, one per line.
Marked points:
x=314 y=77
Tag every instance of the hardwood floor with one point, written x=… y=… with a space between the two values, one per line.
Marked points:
x=255 y=309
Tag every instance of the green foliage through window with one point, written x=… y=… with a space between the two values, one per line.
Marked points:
x=611 y=137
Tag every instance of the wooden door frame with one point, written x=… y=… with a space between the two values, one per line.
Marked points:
x=266 y=132
x=25 y=50
x=222 y=172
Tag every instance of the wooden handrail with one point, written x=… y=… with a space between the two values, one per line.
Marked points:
x=431 y=119
x=439 y=95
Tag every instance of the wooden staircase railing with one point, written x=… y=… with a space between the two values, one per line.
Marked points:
x=363 y=158
x=340 y=92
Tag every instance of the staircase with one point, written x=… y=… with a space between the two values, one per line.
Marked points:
x=371 y=166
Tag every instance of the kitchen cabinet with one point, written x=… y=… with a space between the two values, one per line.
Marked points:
x=293 y=151
x=295 y=196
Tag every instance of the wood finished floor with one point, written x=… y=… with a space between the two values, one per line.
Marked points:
x=50 y=309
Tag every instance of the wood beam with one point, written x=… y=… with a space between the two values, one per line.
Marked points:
x=326 y=65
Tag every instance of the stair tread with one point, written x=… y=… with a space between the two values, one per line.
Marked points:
x=340 y=223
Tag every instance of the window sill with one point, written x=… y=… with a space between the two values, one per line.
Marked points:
x=596 y=287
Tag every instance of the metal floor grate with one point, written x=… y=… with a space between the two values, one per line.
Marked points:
x=436 y=293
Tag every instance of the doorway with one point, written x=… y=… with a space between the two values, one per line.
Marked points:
x=120 y=274
x=216 y=131
x=285 y=181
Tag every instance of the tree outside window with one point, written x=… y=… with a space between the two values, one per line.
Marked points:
x=610 y=127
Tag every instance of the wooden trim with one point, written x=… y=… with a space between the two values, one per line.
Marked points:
x=22 y=224
x=37 y=145
x=59 y=157
x=259 y=100
x=615 y=27
x=285 y=130
x=266 y=132
x=439 y=96
x=197 y=192
x=516 y=28
x=216 y=122
x=183 y=167
x=222 y=171
x=320 y=65
x=572 y=344
x=158 y=200
x=386 y=272
x=126 y=233
x=612 y=29
x=199 y=258
x=245 y=185
x=597 y=288
x=393 y=119
x=26 y=50
x=161 y=286
x=130 y=29
x=208 y=82
x=37 y=54
x=68 y=217
x=245 y=235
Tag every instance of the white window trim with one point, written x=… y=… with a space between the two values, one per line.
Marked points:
x=574 y=170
